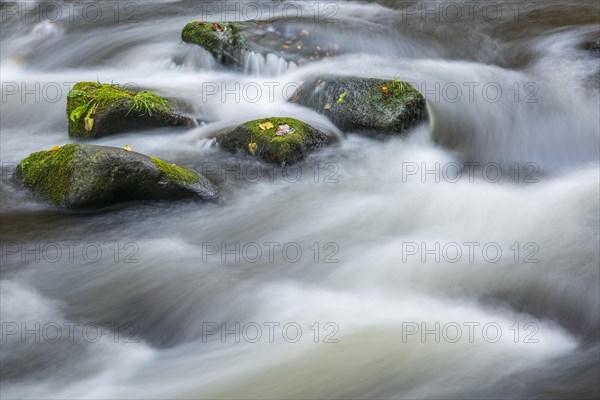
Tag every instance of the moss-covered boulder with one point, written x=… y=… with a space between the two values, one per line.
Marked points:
x=224 y=41
x=101 y=109
x=371 y=106
x=232 y=43
x=282 y=141
x=86 y=176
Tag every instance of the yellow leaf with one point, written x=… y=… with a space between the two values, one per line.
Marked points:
x=127 y=147
x=385 y=89
x=55 y=148
x=266 y=125
x=327 y=106
x=252 y=148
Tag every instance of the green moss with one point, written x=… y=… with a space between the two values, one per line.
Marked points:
x=50 y=172
x=176 y=174
x=88 y=99
x=212 y=36
x=283 y=147
x=398 y=92
x=236 y=35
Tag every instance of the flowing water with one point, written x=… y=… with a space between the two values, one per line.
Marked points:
x=152 y=300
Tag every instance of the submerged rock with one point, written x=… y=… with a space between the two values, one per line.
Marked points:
x=100 y=109
x=86 y=176
x=593 y=46
x=282 y=141
x=375 y=106
x=233 y=43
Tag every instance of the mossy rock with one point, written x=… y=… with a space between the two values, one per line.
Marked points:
x=260 y=138
x=81 y=176
x=224 y=41
x=371 y=106
x=230 y=43
x=100 y=109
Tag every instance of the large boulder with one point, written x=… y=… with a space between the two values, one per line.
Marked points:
x=232 y=43
x=372 y=106
x=86 y=176
x=101 y=109
x=282 y=141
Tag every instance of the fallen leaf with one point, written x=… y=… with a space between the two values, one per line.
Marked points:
x=55 y=148
x=385 y=89
x=304 y=32
x=127 y=147
x=252 y=148
x=88 y=124
x=284 y=130
x=218 y=27
x=267 y=125
x=327 y=106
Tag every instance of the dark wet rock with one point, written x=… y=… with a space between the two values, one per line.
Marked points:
x=282 y=141
x=231 y=43
x=366 y=105
x=99 y=109
x=81 y=176
x=593 y=46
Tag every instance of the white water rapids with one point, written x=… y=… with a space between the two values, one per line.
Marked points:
x=379 y=305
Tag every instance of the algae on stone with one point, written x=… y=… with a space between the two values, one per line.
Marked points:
x=98 y=109
x=281 y=149
x=87 y=176
x=221 y=40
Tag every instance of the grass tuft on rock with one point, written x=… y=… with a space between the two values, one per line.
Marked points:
x=87 y=99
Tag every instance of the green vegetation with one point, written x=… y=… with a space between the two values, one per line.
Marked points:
x=87 y=176
x=213 y=36
x=342 y=97
x=276 y=140
x=268 y=142
x=91 y=98
x=49 y=172
x=175 y=173
x=398 y=89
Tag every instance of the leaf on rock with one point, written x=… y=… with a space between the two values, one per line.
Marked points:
x=218 y=27
x=78 y=112
x=266 y=126
x=75 y=93
x=88 y=123
x=127 y=147
x=284 y=130
x=252 y=147
x=327 y=106
x=385 y=89
x=55 y=148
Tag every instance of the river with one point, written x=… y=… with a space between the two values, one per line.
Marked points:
x=458 y=261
